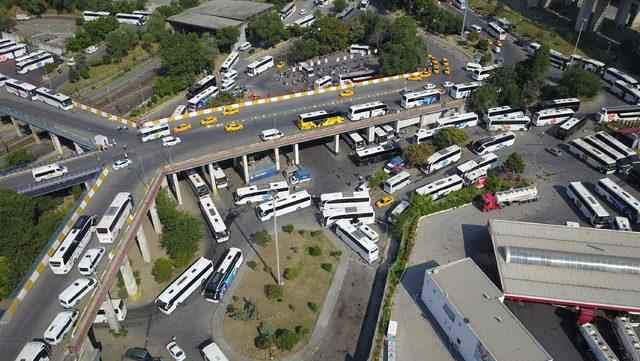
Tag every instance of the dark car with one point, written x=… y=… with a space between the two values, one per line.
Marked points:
x=140 y=354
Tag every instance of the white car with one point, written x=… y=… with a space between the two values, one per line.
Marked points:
x=430 y=86
x=447 y=84
x=170 y=141
x=496 y=49
x=92 y=49
x=270 y=134
x=475 y=28
x=121 y=164
x=244 y=46
x=364 y=186
x=176 y=351
x=303 y=11
x=90 y=260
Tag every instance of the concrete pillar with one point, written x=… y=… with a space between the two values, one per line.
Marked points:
x=176 y=188
x=79 y=149
x=164 y=183
x=155 y=220
x=370 y=135
x=245 y=168
x=336 y=144
x=584 y=13
x=634 y=19
x=129 y=280
x=143 y=245
x=34 y=132
x=624 y=8
x=56 y=143
x=276 y=155
x=214 y=187
x=86 y=348
x=110 y=314
x=16 y=126
x=598 y=14
x=296 y=154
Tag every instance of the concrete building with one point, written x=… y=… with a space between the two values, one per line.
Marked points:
x=217 y=14
x=469 y=309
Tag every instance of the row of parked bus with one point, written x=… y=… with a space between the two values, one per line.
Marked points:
x=614 y=194
x=24 y=61
x=138 y=17
x=31 y=92
x=604 y=153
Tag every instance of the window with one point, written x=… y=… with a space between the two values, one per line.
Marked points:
x=448 y=312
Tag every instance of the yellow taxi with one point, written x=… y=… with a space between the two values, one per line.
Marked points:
x=490 y=42
x=385 y=201
x=436 y=70
x=446 y=71
x=441 y=91
x=182 y=127
x=425 y=74
x=281 y=64
x=499 y=43
x=445 y=61
x=230 y=111
x=346 y=93
x=208 y=121
x=415 y=77
x=234 y=127
x=430 y=56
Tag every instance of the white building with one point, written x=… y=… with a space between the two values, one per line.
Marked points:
x=469 y=309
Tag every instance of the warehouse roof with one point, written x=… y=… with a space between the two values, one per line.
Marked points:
x=216 y=14
x=480 y=303
x=565 y=265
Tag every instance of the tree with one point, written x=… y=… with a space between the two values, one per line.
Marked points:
x=118 y=43
x=450 y=136
x=49 y=67
x=356 y=31
x=378 y=177
x=263 y=237
x=473 y=37
x=181 y=231
x=291 y=273
x=226 y=37
x=162 y=270
x=482 y=45
x=267 y=329
x=505 y=80
x=312 y=306
x=286 y=339
x=315 y=250
x=332 y=34
x=17 y=157
x=182 y=54
x=302 y=330
x=274 y=292
x=327 y=267
x=514 y=163
x=417 y=154
x=189 y=3
x=288 y=228
x=483 y=98
x=74 y=76
x=99 y=28
x=498 y=10
x=577 y=82
x=6 y=21
x=304 y=49
x=534 y=69
x=262 y=342
x=340 y=5
x=5 y=277
x=267 y=29
x=35 y=7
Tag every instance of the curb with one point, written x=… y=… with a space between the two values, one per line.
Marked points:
x=58 y=239
x=109 y=116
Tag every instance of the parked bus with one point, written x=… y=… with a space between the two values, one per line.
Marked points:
x=154 y=132
x=196 y=183
x=225 y=271
x=345 y=12
x=354 y=77
x=21 y=89
x=354 y=140
x=423 y=135
x=353 y=214
x=180 y=109
x=306 y=21
x=509 y=122
x=485 y=162
x=380 y=136
x=441 y=187
x=464 y=120
x=114 y=217
x=260 y=193
x=420 y=98
x=494 y=143
x=551 y=116
x=58 y=100
x=588 y=205
x=484 y=72
x=94 y=15
x=496 y=31
x=307 y=70
x=322 y=83
x=283 y=205
x=317 y=119
x=463 y=90
x=441 y=159
x=180 y=289
x=593 y=66
x=396 y=182
x=30 y=55
x=503 y=111
x=48 y=171
x=12 y=52
x=132 y=19
x=376 y=154
x=622 y=163
x=609 y=140
x=34 y=63
x=229 y=62
x=367 y=110
x=567 y=103
x=219 y=177
x=626 y=92
x=357 y=240
x=344 y=199
x=571 y=126
x=593 y=156
x=363 y=5
x=73 y=245
x=558 y=60
x=360 y=49
x=213 y=218
x=203 y=98
x=259 y=66
x=286 y=11
x=620 y=113
x=611 y=75
x=204 y=83
x=619 y=199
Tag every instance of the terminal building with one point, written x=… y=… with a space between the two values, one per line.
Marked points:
x=469 y=309
x=216 y=14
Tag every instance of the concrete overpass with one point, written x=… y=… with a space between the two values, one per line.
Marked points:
x=592 y=12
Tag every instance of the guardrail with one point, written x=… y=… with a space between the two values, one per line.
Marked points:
x=34 y=188
x=35 y=163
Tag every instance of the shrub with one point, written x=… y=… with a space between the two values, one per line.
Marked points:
x=335 y=254
x=288 y=228
x=286 y=339
x=252 y=264
x=263 y=237
x=327 y=267
x=312 y=306
x=317 y=233
x=162 y=270
x=514 y=163
x=292 y=307
x=291 y=273
x=302 y=330
x=262 y=342
x=17 y=157
x=450 y=136
x=378 y=177
x=274 y=292
x=267 y=329
x=315 y=250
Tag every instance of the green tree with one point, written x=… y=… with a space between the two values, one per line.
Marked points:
x=473 y=37
x=263 y=237
x=483 y=98
x=6 y=21
x=312 y=306
x=252 y=264
x=286 y=339
x=291 y=273
x=79 y=42
x=378 y=177
x=118 y=43
x=417 y=154
x=181 y=55
x=304 y=49
x=534 y=69
x=226 y=37
x=498 y=10
x=302 y=330
x=17 y=157
x=262 y=342
x=288 y=228
x=340 y=5
x=181 y=231
x=274 y=292
x=35 y=7
x=514 y=163
x=74 y=76
x=162 y=270
x=189 y=3
x=5 y=277
x=327 y=267
x=331 y=33
x=482 y=45
x=267 y=29
x=267 y=329
x=99 y=28
x=156 y=27
x=315 y=250
x=505 y=81
x=356 y=31
x=578 y=82
x=450 y=136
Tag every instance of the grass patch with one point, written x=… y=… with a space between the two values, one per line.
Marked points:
x=292 y=311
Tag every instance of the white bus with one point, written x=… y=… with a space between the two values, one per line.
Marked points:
x=593 y=156
x=306 y=21
x=133 y=19
x=344 y=199
x=357 y=240
x=376 y=154
x=588 y=205
x=219 y=176
x=225 y=271
x=307 y=70
x=4 y=42
x=496 y=31
x=286 y=11
x=93 y=15
x=34 y=63
x=612 y=74
x=623 y=164
x=396 y=182
x=227 y=84
x=463 y=90
x=35 y=351
x=593 y=66
x=367 y=110
x=180 y=109
x=620 y=113
x=213 y=218
x=506 y=110
x=260 y=66
x=441 y=187
x=420 y=98
x=202 y=99
x=551 y=116
x=494 y=143
x=201 y=85
x=21 y=89
x=260 y=193
x=114 y=217
x=360 y=49
x=354 y=214
x=196 y=183
x=229 y=62
x=12 y=52
x=621 y=200
x=73 y=245
x=323 y=82
x=283 y=205
x=60 y=326
x=354 y=77
x=507 y=123
x=48 y=171
x=464 y=120
x=559 y=60
x=609 y=140
x=154 y=132
x=58 y=100
x=484 y=162
x=484 y=72
x=189 y=281
x=441 y=159
x=354 y=140
x=380 y=136
x=30 y=55
x=423 y=135
x=571 y=126
x=627 y=92
x=567 y=103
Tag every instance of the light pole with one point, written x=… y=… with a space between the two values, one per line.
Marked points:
x=575 y=48
x=275 y=233
x=464 y=18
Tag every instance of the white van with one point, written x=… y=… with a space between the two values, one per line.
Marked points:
x=231 y=74
x=244 y=46
x=532 y=48
x=90 y=260
x=118 y=306
x=78 y=289
x=270 y=134
x=60 y=326
x=35 y=351
x=475 y=28
x=227 y=85
x=621 y=224
x=213 y=353
x=472 y=67
x=92 y=49
x=399 y=209
x=48 y=172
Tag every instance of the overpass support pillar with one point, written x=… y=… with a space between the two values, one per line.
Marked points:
x=129 y=280
x=164 y=183
x=296 y=154
x=176 y=187
x=598 y=15
x=110 y=313
x=245 y=168
x=34 y=132
x=86 y=349
x=336 y=144
x=634 y=19
x=276 y=155
x=56 y=143
x=79 y=149
x=16 y=126
x=370 y=133
x=143 y=245
x=586 y=8
x=624 y=8
x=155 y=220
x=212 y=178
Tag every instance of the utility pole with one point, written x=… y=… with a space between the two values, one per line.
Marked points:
x=275 y=232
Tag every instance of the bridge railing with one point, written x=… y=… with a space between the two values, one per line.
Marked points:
x=35 y=163
x=34 y=187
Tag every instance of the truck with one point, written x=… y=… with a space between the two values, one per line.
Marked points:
x=628 y=338
x=509 y=197
x=300 y=176
x=395 y=165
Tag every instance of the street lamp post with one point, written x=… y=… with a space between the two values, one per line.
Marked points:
x=275 y=233
x=575 y=48
x=464 y=18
